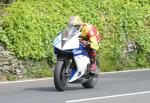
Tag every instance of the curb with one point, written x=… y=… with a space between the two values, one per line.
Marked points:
x=50 y=78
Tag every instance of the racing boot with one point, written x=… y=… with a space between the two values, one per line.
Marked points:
x=93 y=66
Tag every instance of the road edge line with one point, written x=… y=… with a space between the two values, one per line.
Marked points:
x=27 y=80
x=125 y=71
x=49 y=78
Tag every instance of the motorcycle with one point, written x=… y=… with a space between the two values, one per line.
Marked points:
x=72 y=60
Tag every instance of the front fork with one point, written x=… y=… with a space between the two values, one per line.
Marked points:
x=68 y=63
x=68 y=67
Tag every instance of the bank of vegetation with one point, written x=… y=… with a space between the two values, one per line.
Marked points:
x=30 y=26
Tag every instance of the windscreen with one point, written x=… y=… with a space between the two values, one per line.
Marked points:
x=69 y=32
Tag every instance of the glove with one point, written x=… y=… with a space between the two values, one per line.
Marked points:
x=85 y=43
x=94 y=46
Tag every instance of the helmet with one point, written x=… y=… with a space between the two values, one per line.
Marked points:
x=75 y=20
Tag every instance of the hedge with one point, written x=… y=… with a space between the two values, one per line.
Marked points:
x=30 y=27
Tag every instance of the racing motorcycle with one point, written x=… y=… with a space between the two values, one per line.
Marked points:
x=72 y=60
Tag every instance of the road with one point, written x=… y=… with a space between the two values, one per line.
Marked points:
x=122 y=87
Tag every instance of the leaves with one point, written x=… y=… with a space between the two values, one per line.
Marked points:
x=31 y=24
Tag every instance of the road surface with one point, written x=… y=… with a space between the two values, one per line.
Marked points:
x=122 y=87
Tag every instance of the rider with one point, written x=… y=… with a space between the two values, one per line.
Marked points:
x=89 y=33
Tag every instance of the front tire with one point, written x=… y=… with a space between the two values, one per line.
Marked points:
x=60 y=80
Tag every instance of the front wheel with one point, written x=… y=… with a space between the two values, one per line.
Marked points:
x=60 y=79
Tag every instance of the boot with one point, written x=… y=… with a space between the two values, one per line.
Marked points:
x=93 y=66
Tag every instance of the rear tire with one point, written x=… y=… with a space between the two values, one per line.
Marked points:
x=60 y=81
x=92 y=80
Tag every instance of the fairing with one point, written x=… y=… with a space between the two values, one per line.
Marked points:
x=69 y=40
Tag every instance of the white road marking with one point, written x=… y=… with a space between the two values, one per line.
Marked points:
x=32 y=80
x=125 y=71
x=107 y=97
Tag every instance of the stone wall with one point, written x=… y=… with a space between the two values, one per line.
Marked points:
x=10 y=64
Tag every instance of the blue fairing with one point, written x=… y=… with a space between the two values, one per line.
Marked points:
x=63 y=52
x=73 y=71
x=80 y=51
x=75 y=52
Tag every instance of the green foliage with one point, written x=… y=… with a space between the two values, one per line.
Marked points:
x=11 y=77
x=123 y=20
x=39 y=71
x=31 y=25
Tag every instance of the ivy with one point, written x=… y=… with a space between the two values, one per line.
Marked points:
x=30 y=26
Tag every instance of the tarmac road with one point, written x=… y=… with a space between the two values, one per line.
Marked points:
x=121 y=87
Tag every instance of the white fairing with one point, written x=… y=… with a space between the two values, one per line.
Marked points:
x=81 y=62
x=57 y=41
x=72 y=43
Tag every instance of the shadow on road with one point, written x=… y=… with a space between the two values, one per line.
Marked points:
x=52 y=89
x=44 y=89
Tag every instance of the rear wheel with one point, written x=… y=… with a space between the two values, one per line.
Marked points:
x=60 y=78
x=92 y=80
